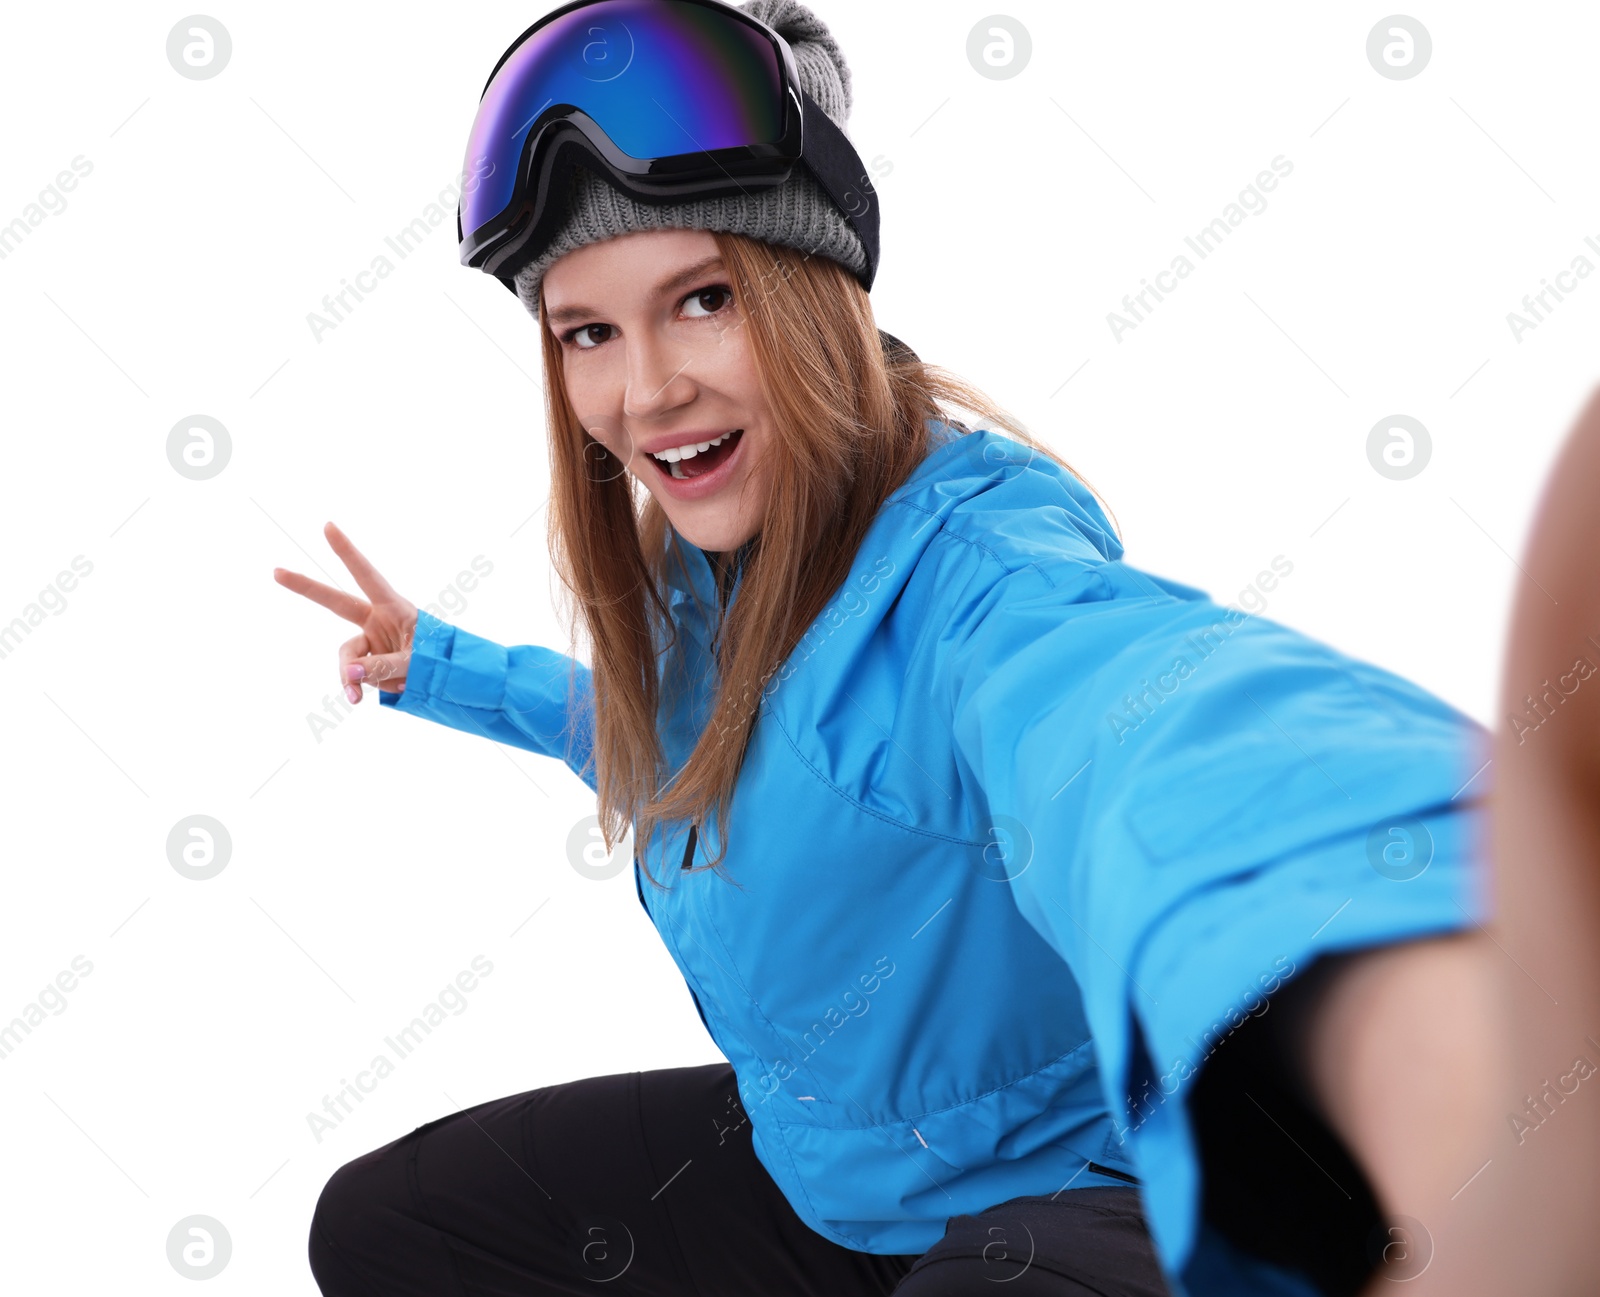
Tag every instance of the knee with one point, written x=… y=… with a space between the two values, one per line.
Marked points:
x=353 y=1195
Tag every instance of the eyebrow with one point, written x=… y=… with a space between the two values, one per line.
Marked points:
x=564 y=314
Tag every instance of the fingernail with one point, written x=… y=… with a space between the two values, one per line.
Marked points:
x=352 y=693
x=355 y=671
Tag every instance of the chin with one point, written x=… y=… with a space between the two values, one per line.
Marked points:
x=713 y=542
x=712 y=535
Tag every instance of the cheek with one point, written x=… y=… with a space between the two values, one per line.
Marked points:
x=731 y=369
x=582 y=389
x=595 y=392
x=603 y=436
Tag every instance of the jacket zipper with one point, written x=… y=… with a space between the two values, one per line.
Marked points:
x=688 y=859
x=1114 y=1174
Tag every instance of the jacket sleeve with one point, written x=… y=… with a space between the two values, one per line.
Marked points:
x=1190 y=803
x=519 y=695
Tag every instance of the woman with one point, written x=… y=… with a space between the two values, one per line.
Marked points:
x=983 y=853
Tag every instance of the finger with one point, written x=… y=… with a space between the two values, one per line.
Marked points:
x=352 y=650
x=383 y=670
x=367 y=576
x=346 y=605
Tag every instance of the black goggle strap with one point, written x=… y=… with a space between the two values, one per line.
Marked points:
x=837 y=166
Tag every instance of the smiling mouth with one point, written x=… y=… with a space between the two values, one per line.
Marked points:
x=702 y=462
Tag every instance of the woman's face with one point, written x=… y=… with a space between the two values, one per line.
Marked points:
x=656 y=360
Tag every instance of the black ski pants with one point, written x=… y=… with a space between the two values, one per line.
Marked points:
x=646 y=1184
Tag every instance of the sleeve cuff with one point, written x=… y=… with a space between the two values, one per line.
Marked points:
x=431 y=644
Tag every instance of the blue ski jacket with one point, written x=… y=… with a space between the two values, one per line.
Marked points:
x=1022 y=833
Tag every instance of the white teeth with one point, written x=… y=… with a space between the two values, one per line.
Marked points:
x=689 y=451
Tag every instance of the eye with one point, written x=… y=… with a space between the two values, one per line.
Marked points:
x=582 y=338
x=697 y=299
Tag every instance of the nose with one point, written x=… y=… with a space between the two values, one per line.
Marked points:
x=659 y=380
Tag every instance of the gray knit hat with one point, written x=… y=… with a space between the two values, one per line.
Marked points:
x=797 y=213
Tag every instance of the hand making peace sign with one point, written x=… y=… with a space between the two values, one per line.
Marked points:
x=380 y=654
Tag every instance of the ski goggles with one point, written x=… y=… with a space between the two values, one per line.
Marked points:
x=667 y=100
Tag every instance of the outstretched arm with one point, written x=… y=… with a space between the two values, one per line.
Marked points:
x=528 y=696
x=1380 y=1072
x=1205 y=805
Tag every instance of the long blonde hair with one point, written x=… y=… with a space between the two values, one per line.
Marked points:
x=849 y=424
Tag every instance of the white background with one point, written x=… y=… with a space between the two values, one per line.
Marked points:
x=369 y=867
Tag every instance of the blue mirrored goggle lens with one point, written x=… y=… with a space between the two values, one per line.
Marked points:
x=660 y=77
